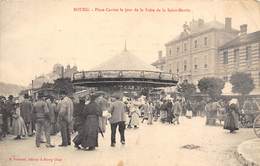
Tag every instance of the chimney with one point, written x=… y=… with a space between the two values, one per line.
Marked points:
x=243 y=29
x=228 y=24
x=200 y=22
x=160 y=54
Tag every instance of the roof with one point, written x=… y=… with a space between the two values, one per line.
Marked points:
x=212 y=25
x=242 y=39
x=159 y=61
x=125 y=61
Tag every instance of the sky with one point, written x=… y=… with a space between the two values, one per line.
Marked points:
x=35 y=35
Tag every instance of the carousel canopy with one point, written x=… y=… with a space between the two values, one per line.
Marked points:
x=124 y=69
x=125 y=61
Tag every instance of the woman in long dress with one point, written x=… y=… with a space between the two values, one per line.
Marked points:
x=231 y=121
x=19 y=128
x=135 y=114
x=91 y=114
x=150 y=113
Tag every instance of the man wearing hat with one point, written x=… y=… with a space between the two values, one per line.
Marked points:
x=41 y=117
x=26 y=113
x=65 y=118
x=52 y=108
x=118 y=118
x=2 y=111
x=7 y=117
x=177 y=110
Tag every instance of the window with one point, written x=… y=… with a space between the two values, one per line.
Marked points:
x=236 y=57
x=185 y=65
x=178 y=66
x=225 y=78
x=185 y=46
x=205 y=41
x=259 y=79
x=248 y=55
x=195 y=44
x=178 y=49
x=195 y=64
x=225 y=57
x=170 y=52
x=206 y=61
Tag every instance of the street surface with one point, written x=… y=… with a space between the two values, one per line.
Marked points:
x=158 y=144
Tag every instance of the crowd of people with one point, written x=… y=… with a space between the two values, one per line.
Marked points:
x=89 y=116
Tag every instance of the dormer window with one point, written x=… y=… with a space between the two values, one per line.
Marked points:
x=205 y=41
x=185 y=46
x=195 y=44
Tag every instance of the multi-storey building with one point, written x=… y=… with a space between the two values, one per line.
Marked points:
x=241 y=54
x=58 y=72
x=192 y=55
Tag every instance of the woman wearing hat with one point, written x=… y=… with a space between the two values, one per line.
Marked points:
x=231 y=121
x=135 y=114
x=19 y=128
x=91 y=115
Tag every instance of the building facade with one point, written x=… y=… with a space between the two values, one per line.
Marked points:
x=193 y=54
x=160 y=63
x=58 y=71
x=241 y=55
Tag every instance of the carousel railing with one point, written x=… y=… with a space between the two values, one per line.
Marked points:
x=124 y=74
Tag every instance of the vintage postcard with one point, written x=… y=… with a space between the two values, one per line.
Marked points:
x=129 y=82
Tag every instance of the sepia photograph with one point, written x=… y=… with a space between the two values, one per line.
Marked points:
x=130 y=83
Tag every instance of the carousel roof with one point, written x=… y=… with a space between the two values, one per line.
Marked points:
x=125 y=61
x=124 y=70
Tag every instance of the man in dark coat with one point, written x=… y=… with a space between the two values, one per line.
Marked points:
x=79 y=121
x=169 y=112
x=26 y=113
x=9 y=111
x=2 y=110
x=91 y=115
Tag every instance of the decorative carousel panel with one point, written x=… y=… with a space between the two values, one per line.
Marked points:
x=78 y=76
x=131 y=74
x=151 y=75
x=166 y=76
x=91 y=74
x=110 y=74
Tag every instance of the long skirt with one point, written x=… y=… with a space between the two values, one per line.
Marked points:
x=103 y=123
x=90 y=135
x=80 y=136
x=19 y=127
x=189 y=114
x=134 y=119
x=163 y=115
x=231 y=121
x=150 y=118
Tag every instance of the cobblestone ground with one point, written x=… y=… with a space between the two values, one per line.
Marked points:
x=158 y=144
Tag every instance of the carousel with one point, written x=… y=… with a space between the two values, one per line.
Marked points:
x=124 y=72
